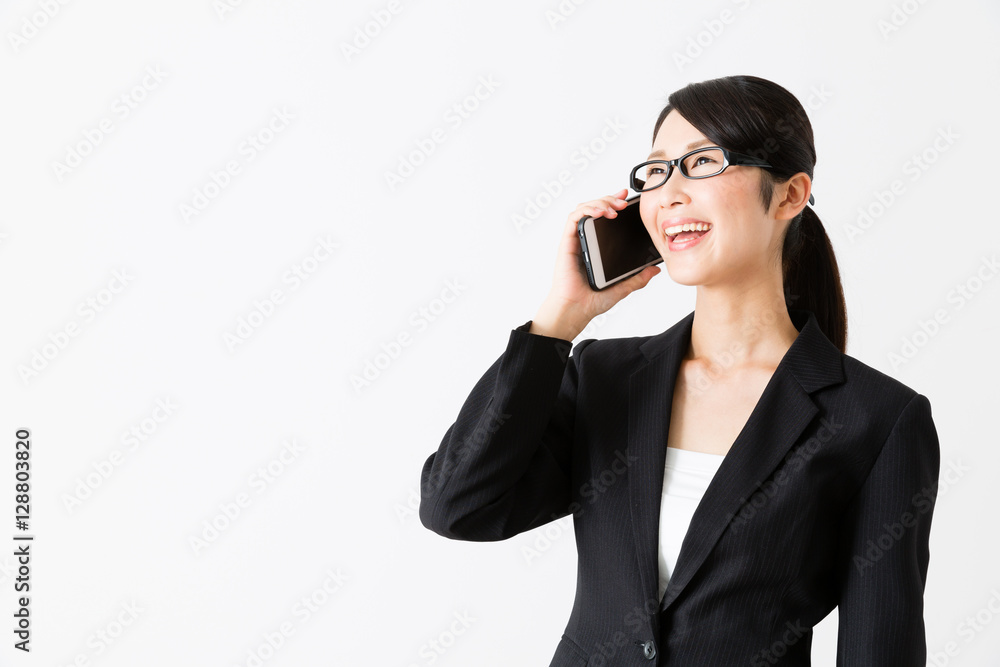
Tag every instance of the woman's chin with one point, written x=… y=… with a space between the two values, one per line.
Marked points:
x=685 y=275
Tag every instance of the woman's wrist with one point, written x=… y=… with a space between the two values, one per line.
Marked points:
x=553 y=321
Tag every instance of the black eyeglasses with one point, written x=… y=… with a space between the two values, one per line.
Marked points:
x=699 y=163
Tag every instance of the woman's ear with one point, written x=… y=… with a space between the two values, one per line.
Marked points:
x=793 y=195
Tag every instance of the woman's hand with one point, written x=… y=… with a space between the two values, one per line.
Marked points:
x=571 y=302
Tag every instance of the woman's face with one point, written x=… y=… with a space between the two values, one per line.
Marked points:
x=743 y=236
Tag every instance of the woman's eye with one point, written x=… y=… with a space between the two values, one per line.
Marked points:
x=702 y=157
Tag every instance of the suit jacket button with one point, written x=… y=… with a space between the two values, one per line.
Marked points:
x=649 y=650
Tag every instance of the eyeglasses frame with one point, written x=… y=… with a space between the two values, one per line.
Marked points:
x=729 y=157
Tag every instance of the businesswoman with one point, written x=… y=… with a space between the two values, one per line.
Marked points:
x=736 y=477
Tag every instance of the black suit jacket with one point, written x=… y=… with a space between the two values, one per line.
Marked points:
x=824 y=499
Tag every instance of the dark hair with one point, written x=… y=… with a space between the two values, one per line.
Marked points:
x=747 y=114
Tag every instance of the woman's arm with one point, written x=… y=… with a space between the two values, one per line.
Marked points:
x=884 y=557
x=503 y=467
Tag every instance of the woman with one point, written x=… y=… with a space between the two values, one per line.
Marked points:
x=735 y=478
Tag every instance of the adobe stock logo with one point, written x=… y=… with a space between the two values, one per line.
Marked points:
x=581 y=158
x=915 y=167
x=121 y=108
x=420 y=319
x=232 y=509
x=30 y=26
x=58 y=340
x=131 y=439
x=363 y=35
x=705 y=38
x=264 y=307
x=455 y=116
x=219 y=179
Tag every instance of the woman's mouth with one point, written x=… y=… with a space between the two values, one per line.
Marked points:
x=679 y=239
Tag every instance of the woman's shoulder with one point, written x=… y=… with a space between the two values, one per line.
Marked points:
x=636 y=348
x=868 y=379
x=613 y=353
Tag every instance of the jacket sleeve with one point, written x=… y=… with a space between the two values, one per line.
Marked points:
x=884 y=537
x=503 y=466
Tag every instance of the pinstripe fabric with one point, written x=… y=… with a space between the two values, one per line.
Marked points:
x=824 y=499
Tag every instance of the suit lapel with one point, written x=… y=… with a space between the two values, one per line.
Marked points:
x=781 y=414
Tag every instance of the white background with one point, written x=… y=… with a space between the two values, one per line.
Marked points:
x=340 y=512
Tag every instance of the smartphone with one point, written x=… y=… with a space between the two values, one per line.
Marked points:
x=616 y=248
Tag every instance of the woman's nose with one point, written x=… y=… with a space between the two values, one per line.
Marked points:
x=672 y=191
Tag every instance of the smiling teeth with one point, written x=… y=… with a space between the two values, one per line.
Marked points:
x=688 y=227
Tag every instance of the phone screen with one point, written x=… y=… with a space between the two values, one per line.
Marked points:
x=624 y=242
x=619 y=247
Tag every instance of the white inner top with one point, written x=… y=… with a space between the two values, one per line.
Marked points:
x=686 y=476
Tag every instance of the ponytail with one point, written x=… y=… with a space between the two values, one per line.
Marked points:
x=811 y=277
